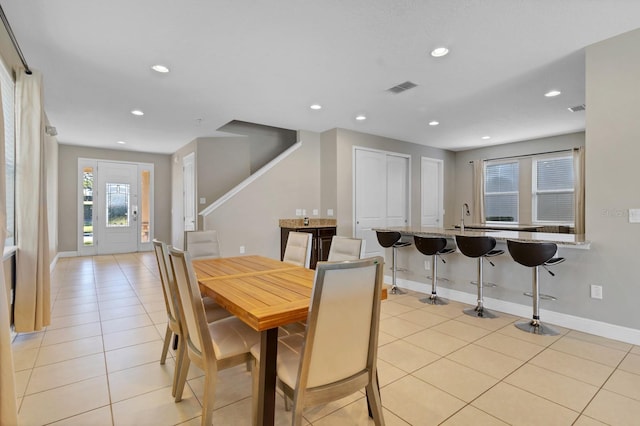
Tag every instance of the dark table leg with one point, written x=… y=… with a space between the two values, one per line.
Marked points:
x=267 y=384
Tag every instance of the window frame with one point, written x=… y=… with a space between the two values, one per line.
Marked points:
x=534 y=189
x=517 y=193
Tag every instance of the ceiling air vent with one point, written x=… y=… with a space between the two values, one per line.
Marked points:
x=577 y=108
x=402 y=87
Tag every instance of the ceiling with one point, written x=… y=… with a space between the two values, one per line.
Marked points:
x=266 y=62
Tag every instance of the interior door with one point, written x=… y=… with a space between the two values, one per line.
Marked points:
x=117 y=207
x=381 y=195
x=431 y=203
x=189 y=192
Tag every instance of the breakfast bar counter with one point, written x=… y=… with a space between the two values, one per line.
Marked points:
x=574 y=240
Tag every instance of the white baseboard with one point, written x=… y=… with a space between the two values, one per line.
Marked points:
x=586 y=325
x=67 y=254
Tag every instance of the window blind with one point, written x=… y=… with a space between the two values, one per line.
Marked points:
x=501 y=183
x=553 y=187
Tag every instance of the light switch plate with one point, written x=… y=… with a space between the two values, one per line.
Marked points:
x=203 y=200
x=315 y=212
x=329 y=212
x=634 y=215
x=298 y=212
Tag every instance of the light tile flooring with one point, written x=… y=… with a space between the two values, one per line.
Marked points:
x=97 y=364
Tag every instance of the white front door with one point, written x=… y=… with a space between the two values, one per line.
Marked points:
x=431 y=201
x=116 y=197
x=381 y=191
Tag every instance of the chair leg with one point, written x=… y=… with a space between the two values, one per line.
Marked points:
x=479 y=311
x=374 y=401
x=209 y=396
x=165 y=345
x=535 y=326
x=181 y=354
x=433 y=299
x=182 y=375
x=394 y=269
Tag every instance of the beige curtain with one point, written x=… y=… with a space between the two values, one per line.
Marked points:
x=8 y=408
x=32 y=308
x=478 y=191
x=578 y=178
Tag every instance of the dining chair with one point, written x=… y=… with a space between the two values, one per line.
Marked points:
x=343 y=248
x=337 y=355
x=210 y=346
x=298 y=248
x=213 y=311
x=203 y=244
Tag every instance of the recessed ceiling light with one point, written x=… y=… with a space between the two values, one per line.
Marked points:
x=160 y=68
x=316 y=106
x=434 y=123
x=137 y=112
x=552 y=93
x=121 y=142
x=439 y=51
x=361 y=117
x=486 y=137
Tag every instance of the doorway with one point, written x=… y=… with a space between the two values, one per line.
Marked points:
x=381 y=194
x=115 y=208
x=432 y=189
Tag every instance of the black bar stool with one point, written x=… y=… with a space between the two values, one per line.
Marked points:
x=478 y=247
x=533 y=255
x=392 y=239
x=433 y=247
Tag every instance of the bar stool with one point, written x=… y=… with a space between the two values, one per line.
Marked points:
x=392 y=239
x=433 y=247
x=533 y=255
x=478 y=247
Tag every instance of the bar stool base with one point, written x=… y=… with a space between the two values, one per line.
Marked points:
x=480 y=312
x=397 y=290
x=536 y=327
x=434 y=300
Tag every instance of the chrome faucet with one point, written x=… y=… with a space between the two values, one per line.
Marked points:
x=464 y=211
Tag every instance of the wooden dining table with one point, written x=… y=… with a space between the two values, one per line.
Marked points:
x=265 y=294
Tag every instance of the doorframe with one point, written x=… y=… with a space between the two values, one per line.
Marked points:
x=354 y=148
x=440 y=189
x=82 y=250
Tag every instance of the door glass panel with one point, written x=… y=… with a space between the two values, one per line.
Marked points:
x=145 y=214
x=117 y=204
x=87 y=201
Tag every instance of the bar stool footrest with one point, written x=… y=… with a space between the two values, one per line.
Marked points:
x=542 y=296
x=484 y=284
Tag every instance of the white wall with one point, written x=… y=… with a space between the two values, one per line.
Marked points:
x=250 y=218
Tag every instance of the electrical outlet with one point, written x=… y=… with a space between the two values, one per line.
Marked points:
x=298 y=212
x=241 y=249
x=329 y=212
x=315 y=212
x=596 y=292
x=427 y=265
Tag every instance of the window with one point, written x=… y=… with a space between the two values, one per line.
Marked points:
x=501 y=180
x=8 y=89
x=552 y=191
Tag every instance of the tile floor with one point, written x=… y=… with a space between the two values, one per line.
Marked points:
x=97 y=364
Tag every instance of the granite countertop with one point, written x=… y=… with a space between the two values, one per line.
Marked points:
x=571 y=240
x=313 y=223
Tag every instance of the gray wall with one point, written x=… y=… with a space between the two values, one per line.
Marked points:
x=68 y=189
x=344 y=141
x=250 y=218
x=464 y=170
